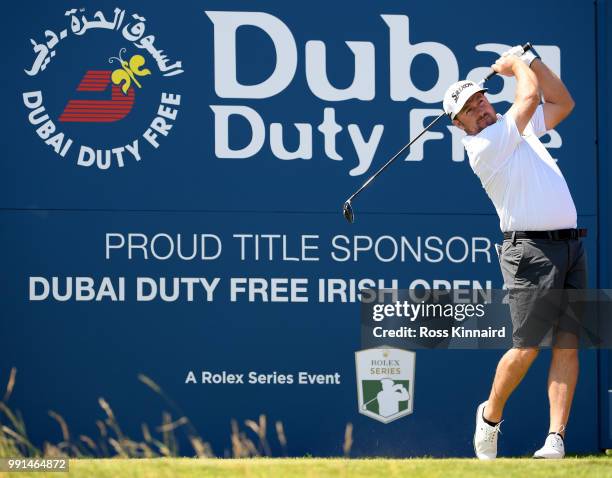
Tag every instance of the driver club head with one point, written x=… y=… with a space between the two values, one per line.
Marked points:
x=347 y=210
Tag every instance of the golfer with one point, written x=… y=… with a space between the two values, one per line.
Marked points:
x=542 y=249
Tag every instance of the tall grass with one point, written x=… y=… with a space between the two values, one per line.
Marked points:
x=162 y=442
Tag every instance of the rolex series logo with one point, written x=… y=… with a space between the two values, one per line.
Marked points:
x=385 y=383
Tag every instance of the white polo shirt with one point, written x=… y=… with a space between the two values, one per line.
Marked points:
x=525 y=184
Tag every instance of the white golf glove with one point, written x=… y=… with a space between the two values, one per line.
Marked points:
x=526 y=57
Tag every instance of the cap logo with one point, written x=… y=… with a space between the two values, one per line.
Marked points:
x=457 y=92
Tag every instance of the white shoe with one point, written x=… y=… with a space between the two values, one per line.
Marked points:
x=553 y=448
x=485 y=436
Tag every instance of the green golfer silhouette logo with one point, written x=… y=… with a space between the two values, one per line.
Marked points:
x=385 y=397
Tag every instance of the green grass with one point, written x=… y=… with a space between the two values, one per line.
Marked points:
x=592 y=467
x=156 y=455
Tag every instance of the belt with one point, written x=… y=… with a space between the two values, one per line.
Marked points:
x=559 y=235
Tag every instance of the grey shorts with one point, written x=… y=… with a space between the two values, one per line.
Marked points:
x=539 y=274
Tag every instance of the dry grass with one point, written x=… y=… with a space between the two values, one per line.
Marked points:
x=112 y=453
x=112 y=442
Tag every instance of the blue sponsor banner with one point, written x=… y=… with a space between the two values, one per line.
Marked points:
x=391 y=92
x=140 y=136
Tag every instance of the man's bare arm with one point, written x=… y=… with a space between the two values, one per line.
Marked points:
x=558 y=102
x=526 y=98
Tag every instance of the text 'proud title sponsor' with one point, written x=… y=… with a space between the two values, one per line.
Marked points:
x=260 y=248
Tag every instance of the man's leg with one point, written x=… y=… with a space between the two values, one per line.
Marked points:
x=562 y=378
x=510 y=371
x=522 y=268
x=563 y=373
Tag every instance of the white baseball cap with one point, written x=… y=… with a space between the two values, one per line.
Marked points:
x=457 y=95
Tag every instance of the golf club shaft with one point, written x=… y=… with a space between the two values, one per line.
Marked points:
x=527 y=46
x=394 y=157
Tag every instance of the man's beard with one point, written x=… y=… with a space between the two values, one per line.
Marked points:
x=486 y=120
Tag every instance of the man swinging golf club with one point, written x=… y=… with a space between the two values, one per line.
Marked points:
x=542 y=247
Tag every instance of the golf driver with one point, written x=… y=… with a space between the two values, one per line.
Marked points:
x=347 y=209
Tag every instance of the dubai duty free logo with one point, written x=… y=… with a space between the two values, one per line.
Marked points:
x=385 y=383
x=108 y=89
